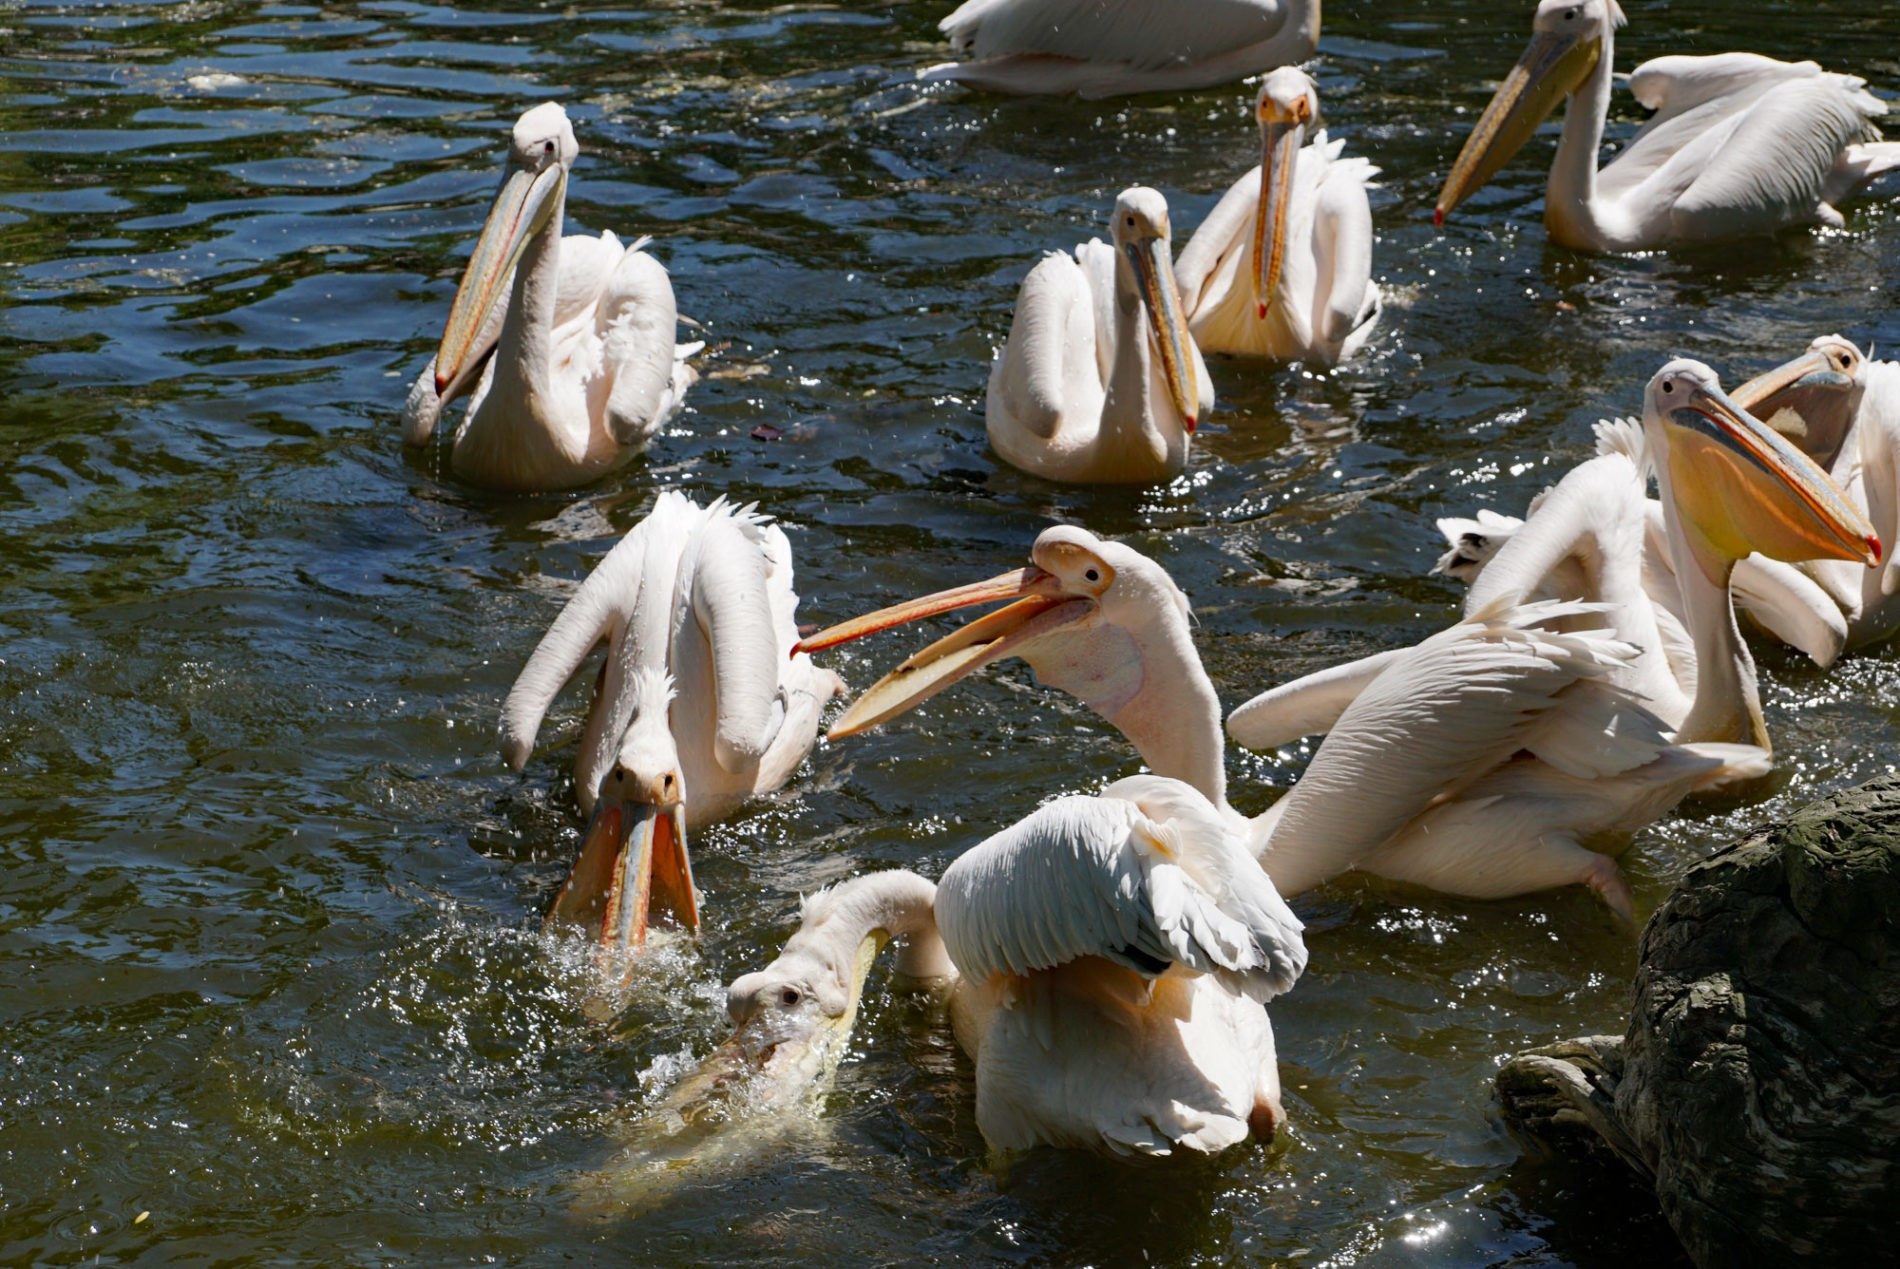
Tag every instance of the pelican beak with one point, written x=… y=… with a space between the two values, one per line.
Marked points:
x=522 y=209
x=1551 y=68
x=1039 y=607
x=1154 y=268
x=1809 y=400
x=633 y=863
x=1744 y=488
x=1280 y=142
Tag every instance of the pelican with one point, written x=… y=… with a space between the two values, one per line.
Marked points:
x=1087 y=390
x=701 y=704
x=1113 y=955
x=1489 y=760
x=1739 y=145
x=584 y=370
x=1282 y=267
x=1842 y=409
x=1107 y=625
x=1133 y=46
x=1833 y=404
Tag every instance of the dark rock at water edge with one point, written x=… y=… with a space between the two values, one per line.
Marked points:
x=1758 y=1086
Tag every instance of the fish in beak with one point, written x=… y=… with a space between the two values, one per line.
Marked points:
x=1039 y=607
x=1743 y=487
x=633 y=865
x=1282 y=133
x=1554 y=65
x=523 y=208
x=1812 y=400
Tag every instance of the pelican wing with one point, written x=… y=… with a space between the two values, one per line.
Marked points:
x=1209 y=267
x=1738 y=140
x=732 y=603
x=1103 y=877
x=1049 y=368
x=1144 y=34
x=1308 y=706
x=636 y=322
x=1465 y=700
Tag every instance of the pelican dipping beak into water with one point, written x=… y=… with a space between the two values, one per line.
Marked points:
x=1100 y=381
x=1282 y=267
x=584 y=369
x=1739 y=144
x=695 y=597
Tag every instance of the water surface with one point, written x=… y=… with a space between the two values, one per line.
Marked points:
x=269 y=900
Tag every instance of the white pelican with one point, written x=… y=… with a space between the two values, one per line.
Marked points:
x=701 y=703
x=1842 y=409
x=1834 y=405
x=1488 y=760
x=1282 y=267
x=1132 y=46
x=1085 y=389
x=1107 y=625
x=1739 y=144
x=584 y=368
x=1115 y=954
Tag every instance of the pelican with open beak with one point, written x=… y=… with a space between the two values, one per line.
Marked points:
x=1100 y=380
x=559 y=403
x=1739 y=144
x=1282 y=267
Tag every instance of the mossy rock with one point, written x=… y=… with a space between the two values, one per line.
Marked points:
x=1759 y=1081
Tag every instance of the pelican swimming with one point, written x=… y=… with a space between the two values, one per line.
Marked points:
x=1114 y=955
x=1132 y=46
x=1282 y=267
x=1107 y=625
x=1833 y=404
x=584 y=368
x=1739 y=144
x=1099 y=380
x=1485 y=762
x=701 y=703
x=1842 y=409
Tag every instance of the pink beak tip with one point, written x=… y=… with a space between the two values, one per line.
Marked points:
x=1438 y=217
x=1873 y=544
x=1262 y=313
x=441 y=385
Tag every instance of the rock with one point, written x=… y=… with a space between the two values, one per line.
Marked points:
x=1758 y=1085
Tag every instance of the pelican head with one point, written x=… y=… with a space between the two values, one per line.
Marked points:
x=1738 y=484
x=1813 y=399
x=1075 y=584
x=792 y=1017
x=1567 y=40
x=1145 y=269
x=633 y=856
x=541 y=150
x=1287 y=105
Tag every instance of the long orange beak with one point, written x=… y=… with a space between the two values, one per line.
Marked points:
x=1551 y=67
x=1039 y=607
x=633 y=864
x=1744 y=488
x=1280 y=142
x=522 y=209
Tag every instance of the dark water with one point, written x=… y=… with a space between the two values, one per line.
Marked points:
x=269 y=977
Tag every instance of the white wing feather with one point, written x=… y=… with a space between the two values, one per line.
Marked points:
x=1144 y=34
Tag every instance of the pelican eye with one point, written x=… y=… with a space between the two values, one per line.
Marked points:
x=1669 y=387
x=547 y=147
x=1093 y=575
x=789 y=996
